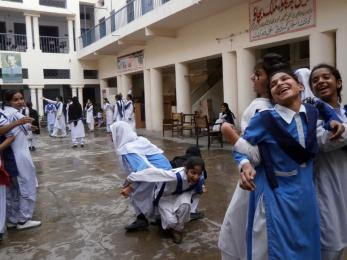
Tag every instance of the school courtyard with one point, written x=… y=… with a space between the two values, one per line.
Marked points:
x=83 y=215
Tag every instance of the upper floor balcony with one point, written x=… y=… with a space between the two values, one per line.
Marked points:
x=130 y=12
x=13 y=42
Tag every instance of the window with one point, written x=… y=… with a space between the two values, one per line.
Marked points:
x=24 y=73
x=90 y=74
x=130 y=10
x=56 y=74
x=102 y=27
x=147 y=5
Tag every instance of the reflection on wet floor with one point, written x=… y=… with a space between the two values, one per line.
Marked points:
x=83 y=216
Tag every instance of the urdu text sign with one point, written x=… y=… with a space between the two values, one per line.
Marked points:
x=268 y=18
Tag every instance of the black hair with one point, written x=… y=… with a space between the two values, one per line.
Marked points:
x=130 y=96
x=334 y=71
x=29 y=104
x=106 y=100
x=8 y=95
x=60 y=98
x=193 y=151
x=194 y=161
x=118 y=97
x=227 y=109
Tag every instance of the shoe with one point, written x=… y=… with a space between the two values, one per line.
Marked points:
x=82 y=145
x=1 y=236
x=137 y=224
x=176 y=236
x=33 y=148
x=156 y=222
x=197 y=215
x=30 y=149
x=10 y=225
x=29 y=224
x=74 y=146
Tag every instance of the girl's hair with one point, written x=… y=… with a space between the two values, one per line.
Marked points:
x=194 y=161
x=106 y=100
x=193 y=151
x=118 y=97
x=60 y=98
x=9 y=95
x=130 y=96
x=227 y=109
x=334 y=71
x=272 y=62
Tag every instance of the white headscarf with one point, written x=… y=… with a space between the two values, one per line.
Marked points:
x=304 y=77
x=126 y=141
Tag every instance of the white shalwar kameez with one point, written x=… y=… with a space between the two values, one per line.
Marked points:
x=21 y=196
x=173 y=209
x=59 y=123
x=107 y=107
x=232 y=238
x=330 y=177
x=50 y=111
x=77 y=132
x=90 y=117
x=129 y=114
x=118 y=114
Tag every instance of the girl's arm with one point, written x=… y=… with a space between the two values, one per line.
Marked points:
x=90 y=109
x=7 y=143
x=49 y=100
x=152 y=175
x=325 y=138
x=8 y=127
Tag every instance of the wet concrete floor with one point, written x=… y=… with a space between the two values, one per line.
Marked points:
x=83 y=216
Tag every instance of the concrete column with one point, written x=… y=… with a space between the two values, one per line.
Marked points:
x=33 y=97
x=230 y=80
x=74 y=91
x=126 y=84
x=40 y=101
x=119 y=84
x=36 y=32
x=103 y=89
x=148 y=99
x=182 y=88
x=341 y=58
x=245 y=65
x=80 y=95
x=70 y=33
x=29 y=32
x=157 y=99
x=322 y=48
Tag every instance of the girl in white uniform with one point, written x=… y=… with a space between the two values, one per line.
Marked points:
x=129 y=110
x=90 y=115
x=59 y=124
x=109 y=114
x=21 y=196
x=76 y=123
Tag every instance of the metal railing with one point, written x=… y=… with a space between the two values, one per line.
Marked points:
x=18 y=1
x=130 y=12
x=54 y=3
x=54 y=44
x=13 y=42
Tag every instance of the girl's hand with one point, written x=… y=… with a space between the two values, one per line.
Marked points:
x=247 y=175
x=125 y=191
x=25 y=120
x=7 y=142
x=33 y=128
x=337 y=129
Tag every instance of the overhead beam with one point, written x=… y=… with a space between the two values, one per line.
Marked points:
x=160 y=32
x=131 y=42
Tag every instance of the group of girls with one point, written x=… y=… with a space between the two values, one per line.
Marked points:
x=291 y=202
x=74 y=116
x=18 y=181
x=157 y=191
x=123 y=110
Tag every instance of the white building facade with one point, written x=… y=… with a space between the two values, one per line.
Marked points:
x=43 y=33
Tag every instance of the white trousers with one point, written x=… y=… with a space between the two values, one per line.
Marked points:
x=177 y=219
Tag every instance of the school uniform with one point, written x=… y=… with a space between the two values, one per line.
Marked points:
x=109 y=115
x=4 y=182
x=283 y=221
x=21 y=196
x=138 y=153
x=76 y=123
x=90 y=116
x=172 y=195
x=232 y=237
x=50 y=111
x=59 y=123
x=119 y=111
x=129 y=115
x=99 y=116
x=331 y=183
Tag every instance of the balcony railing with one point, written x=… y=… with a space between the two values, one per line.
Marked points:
x=18 y=1
x=54 y=3
x=132 y=11
x=13 y=42
x=54 y=44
